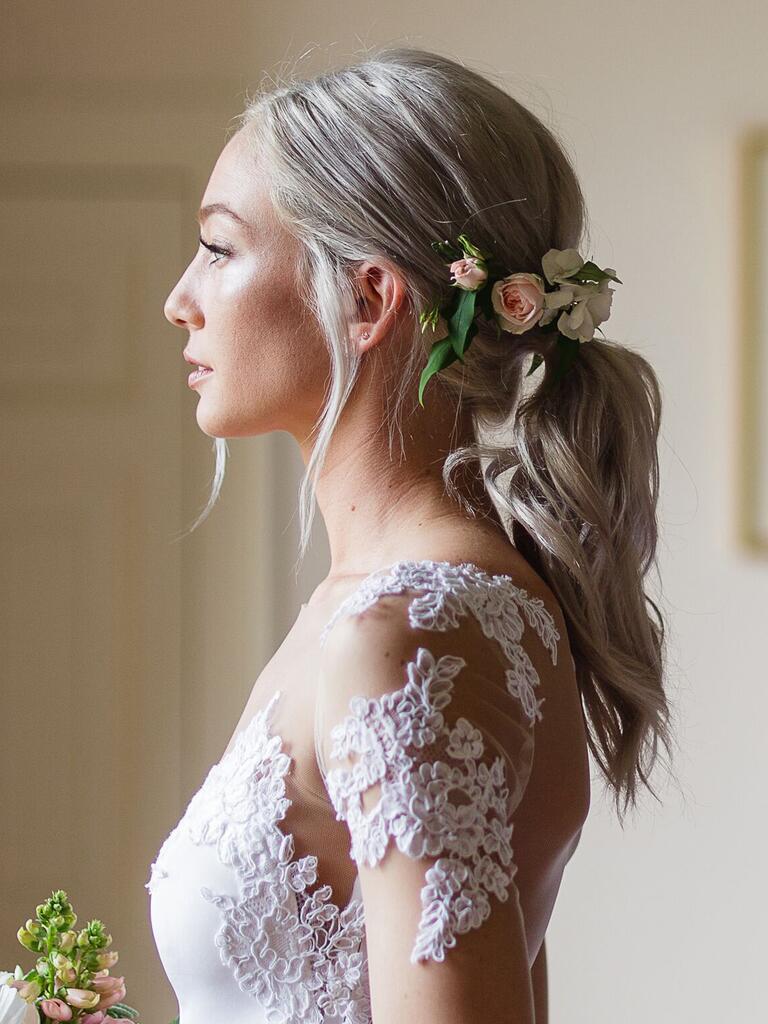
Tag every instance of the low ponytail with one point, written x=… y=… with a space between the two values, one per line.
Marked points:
x=582 y=493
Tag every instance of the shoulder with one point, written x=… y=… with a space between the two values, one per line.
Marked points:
x=497 y=623
x=368 y=650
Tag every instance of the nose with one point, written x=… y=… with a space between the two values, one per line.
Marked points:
x=181 y=310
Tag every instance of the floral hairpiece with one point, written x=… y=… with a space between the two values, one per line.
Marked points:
x=516 y=303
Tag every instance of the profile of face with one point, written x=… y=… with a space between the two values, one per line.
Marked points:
x=239 y=301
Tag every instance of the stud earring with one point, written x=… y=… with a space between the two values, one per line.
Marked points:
x=365 y=334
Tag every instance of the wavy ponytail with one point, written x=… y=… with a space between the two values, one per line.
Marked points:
x=581 y=495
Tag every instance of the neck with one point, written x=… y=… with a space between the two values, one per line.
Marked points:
x=379 y=508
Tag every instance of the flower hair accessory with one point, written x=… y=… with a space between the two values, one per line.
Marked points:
x=516 y=302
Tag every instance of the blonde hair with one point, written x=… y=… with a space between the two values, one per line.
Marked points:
x=379 y=159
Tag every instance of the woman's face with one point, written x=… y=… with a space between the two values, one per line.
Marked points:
x=242 y=310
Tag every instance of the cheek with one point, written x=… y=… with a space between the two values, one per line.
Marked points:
x=274 y=351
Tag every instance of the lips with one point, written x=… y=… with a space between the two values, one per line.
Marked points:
x=196 y=362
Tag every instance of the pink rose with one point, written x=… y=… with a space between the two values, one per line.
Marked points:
x=94 y=1018
x=469 y=274
x=56 y=1009
x=519 y=301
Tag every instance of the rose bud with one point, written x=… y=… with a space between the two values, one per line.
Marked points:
x=469 y=274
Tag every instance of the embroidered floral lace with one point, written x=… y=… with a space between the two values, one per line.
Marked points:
x=448 y=775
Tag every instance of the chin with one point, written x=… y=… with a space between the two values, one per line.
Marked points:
x=220 y=423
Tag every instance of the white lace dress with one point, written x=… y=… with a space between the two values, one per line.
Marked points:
x=431 y=760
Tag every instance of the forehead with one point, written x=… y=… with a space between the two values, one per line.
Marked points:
x=236 y=184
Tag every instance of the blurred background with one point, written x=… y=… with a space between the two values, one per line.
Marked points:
x=128 y=653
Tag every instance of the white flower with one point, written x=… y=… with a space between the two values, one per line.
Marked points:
x=14 y=1009
x=592 y=306
x=560 y=264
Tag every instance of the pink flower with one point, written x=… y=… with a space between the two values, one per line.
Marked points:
x=93 y=1018
x=82 y=998
x=519 y=301
x=28 y=990
x=112 y=991
x=56 y=1009
x=469 y=274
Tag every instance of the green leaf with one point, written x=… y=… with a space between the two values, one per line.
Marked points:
x=470 y=249
x=122 y=1011
x=442 y=355
x=589 y=271
x=447 y=250
x=460 y=321
x=429 y=317
x=535 y=363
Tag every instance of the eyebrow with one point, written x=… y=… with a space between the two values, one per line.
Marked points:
x=206 y=211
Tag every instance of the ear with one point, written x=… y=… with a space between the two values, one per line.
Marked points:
x=381 y=299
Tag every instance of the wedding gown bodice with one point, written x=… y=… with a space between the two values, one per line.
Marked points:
x=246 y=926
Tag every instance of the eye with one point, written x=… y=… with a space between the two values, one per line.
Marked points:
x=215 y=249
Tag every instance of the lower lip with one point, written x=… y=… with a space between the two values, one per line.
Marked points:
x=198 y=375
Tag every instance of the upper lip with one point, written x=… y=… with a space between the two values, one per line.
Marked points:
x=191 y=359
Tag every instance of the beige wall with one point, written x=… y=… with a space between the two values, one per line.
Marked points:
x=660 y=922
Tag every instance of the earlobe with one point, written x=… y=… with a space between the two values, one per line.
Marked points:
x=363 y=340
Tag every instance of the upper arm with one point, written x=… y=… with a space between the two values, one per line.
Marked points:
x=426 y=755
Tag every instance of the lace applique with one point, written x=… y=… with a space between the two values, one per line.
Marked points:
x=455 y=590
x=300 y=955
x=455 y=805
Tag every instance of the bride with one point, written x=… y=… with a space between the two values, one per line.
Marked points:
x=385 y=835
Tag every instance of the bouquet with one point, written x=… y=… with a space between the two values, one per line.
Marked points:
x=71 y=979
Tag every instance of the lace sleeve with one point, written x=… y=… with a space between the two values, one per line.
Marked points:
x=426 y=750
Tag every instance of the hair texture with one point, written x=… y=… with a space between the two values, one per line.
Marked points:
x=379 y=159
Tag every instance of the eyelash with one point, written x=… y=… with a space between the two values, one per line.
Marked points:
x=215 y=249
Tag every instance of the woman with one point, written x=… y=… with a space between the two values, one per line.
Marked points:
x=378 y=842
